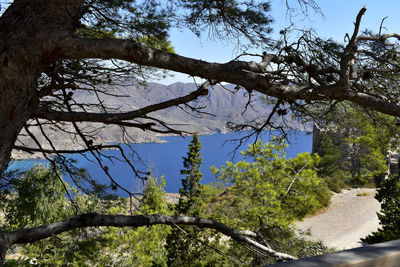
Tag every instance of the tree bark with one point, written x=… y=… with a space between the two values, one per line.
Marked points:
x=28 y=30
x=4 y=246
x=93 y=219
x=245 y=74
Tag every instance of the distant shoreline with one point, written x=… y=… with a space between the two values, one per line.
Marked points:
x=166 y=159
x=20 y=155
x=158 y=139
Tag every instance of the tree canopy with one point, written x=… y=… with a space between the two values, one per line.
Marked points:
x=388 y=216
x=60 y=62
x=95 y=45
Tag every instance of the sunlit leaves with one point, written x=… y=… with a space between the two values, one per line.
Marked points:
x=270 y=187
x=355 y=144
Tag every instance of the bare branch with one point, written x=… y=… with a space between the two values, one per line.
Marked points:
x=353 y=39
x=380 y=38
x=93 y=219
x=349 y=53
x=235 y=72
x=64 y=151
x=381 y=26
x=116 y=118
x=296 y=176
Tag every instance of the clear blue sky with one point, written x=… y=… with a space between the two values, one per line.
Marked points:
x=339 y=16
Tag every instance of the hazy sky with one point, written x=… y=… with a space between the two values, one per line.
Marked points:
x=338 y=19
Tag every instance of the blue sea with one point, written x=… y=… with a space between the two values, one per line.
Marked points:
x=165 y=159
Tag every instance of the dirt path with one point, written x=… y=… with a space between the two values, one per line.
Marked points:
x=351 y=216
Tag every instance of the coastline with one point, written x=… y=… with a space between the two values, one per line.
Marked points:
x=166 y=159
x=156 y=139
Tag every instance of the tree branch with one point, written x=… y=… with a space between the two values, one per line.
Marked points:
x=248 y=75
x=349 y=52
x=93 y=219
x=383 y=37
x=353 y=39
x=64 y=151
x=116 y=118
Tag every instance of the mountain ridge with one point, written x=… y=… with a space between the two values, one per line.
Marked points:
x=222 y=101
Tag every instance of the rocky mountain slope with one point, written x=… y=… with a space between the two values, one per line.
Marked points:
x=221 y=102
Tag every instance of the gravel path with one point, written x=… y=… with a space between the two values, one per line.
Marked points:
x=350 y=216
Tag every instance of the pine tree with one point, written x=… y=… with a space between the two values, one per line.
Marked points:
x=183 y=243
x=389 y=215
x=190 y=200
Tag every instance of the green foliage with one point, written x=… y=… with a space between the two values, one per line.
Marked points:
x=353 y=154
x=38 y=197
x=249 y=18
x=128 y=18
x=151 y=41
x=162 y=44
x=268 y=192
x=129 y=246
x=188 y=244
x=191 y=193
x=227 y=20
x=271 y=187
x=338 y=180
x=87 y=32
x=389 y=216
x=153 y=198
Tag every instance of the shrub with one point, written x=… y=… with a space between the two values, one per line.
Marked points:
x=389 y=216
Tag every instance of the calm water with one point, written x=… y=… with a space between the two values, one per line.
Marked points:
x=165 y=159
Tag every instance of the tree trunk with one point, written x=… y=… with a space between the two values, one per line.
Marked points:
x=316 y=140
x=18 y=78
x=29 y=31
x=4 y=246
x=15 y=110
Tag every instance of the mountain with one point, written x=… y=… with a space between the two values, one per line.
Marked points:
x=221 y=102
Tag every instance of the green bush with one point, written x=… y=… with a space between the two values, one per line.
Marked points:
x=353 y=150
x=38 y=197
x=338 y=180
x=271 y=186
x=389 y=216
x=267 y=191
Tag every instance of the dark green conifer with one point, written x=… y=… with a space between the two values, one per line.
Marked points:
x=190 y=201
x=183 y=243
x=389 y=216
